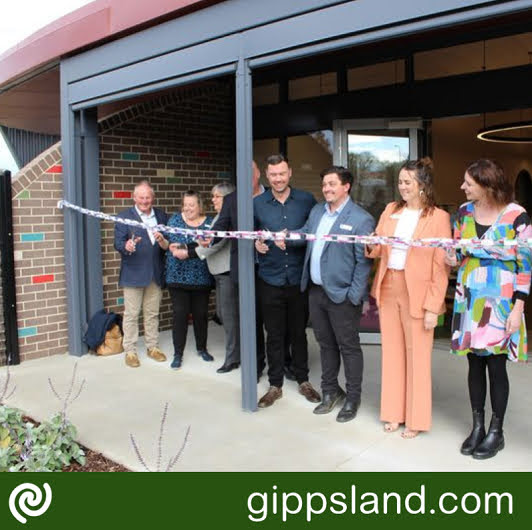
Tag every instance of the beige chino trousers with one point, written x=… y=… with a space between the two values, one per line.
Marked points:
x=149 y=300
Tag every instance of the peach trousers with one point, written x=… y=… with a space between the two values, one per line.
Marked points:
x=406 y=391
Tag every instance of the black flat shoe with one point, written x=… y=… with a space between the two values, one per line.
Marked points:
x=227 y=368
x=478 y=433
x=176 y=363
x=205 y=355
x=348 y=411
x=329 y=402
x=492 y=443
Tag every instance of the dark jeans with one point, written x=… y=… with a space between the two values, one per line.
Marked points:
x=184 y=302
x=499 y=384
x=336 y=330
x=283 y=306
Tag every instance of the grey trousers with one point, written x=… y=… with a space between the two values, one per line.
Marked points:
x=227 y=302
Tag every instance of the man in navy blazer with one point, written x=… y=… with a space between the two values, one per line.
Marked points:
x=141 y=273
x=337 y=274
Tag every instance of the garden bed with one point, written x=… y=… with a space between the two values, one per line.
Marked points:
x=95 y=462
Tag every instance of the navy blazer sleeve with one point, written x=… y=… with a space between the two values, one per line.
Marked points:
x=122 y=234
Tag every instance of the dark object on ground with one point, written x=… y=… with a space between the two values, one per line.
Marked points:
x=101 y=322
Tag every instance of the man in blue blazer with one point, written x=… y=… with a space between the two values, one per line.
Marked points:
x=337 y=274
x=141 y=273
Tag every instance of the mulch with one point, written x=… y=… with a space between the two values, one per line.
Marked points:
x=95 y=462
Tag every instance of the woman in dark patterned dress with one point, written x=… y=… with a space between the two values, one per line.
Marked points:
x=189 y=280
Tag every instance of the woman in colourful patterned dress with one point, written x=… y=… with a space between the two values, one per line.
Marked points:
x=491 y=289
x=189 y=280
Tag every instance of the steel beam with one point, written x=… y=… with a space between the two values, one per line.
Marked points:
x=246 y=262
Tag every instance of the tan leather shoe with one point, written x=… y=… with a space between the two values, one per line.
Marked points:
x=132 y=359
x=273 y=394
x=156 y=354
x=307 y=390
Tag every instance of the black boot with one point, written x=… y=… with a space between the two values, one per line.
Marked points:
x=477 y=434
x=493 y=442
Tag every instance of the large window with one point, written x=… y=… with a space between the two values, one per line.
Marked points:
x=309 y=154
x=374 y=75
x=492 y=54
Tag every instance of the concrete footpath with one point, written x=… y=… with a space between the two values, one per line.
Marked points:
x=118 y=401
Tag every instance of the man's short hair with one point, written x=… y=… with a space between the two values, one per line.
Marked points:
x=345 y=176
x=273 y=160
x=143 y=184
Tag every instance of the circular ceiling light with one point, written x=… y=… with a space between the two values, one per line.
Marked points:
x=491 y=134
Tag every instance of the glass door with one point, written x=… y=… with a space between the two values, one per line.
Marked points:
x=374 y=150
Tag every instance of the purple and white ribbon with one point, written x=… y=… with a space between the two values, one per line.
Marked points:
x=432 y=242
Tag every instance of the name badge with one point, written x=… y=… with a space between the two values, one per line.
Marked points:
x=346 y=227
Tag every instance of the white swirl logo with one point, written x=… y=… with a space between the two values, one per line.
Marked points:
x=31 y=496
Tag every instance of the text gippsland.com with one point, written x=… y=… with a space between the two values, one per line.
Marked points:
x=284 y=504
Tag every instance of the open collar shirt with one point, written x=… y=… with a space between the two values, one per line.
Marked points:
x=324 y=227
x=282 y=267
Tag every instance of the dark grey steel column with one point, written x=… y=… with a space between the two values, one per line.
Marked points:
x=7 y=270
x=90 y=179
x=246 y=261
x=74 y=248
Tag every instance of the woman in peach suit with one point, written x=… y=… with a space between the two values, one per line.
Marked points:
x=409 y=288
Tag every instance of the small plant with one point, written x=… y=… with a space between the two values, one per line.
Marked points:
x=12 y=435
x=4 y=389
x=67 y=400
x=49 y=446
x=11 y=427
x=173 y=460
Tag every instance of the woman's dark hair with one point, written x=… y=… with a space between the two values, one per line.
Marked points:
x=345 y=176
x=194 y=193
x=489 y=175
x=422 y=171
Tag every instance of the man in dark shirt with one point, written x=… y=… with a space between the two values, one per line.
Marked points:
x=280 y=267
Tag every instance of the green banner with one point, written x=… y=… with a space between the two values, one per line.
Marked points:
x=264 y=500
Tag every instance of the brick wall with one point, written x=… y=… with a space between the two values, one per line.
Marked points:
x=39 y=257
x=179 y=141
